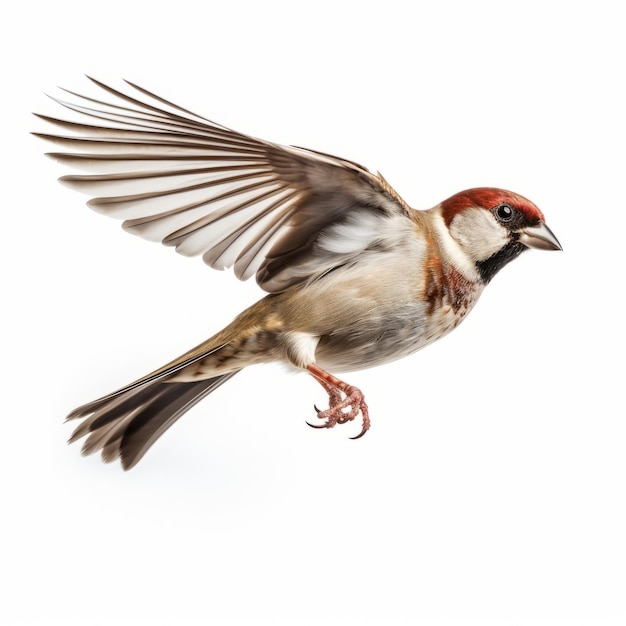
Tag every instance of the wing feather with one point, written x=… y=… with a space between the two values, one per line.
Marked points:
x=176 y=177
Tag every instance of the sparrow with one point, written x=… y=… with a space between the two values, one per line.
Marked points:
x=354 y=276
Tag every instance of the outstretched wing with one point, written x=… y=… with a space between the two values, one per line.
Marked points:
x=285 y=214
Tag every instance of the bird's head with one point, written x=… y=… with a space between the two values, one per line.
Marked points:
x=493 y=227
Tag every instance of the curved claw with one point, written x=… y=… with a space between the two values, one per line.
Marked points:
x=316 y=410
x=317 y=425
x=363 y=431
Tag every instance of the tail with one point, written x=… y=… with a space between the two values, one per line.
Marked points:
x=126 y=423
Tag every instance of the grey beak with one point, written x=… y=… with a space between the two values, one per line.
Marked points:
x=539 y=237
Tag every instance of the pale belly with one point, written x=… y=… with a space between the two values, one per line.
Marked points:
x=379 y=313
x=377 y=340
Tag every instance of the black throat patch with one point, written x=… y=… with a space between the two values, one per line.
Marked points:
x=491 y=266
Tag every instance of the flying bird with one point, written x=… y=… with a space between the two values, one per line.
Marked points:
x=355 y=277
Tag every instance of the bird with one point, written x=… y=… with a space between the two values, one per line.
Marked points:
x=354 y=276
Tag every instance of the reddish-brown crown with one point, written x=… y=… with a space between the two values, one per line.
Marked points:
x=487 y=198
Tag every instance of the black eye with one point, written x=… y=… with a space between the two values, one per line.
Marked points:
x=504 y=212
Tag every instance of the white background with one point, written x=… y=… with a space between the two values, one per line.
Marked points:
x=491 y=487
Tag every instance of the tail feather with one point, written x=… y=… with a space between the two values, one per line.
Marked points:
x=109 y=409
x=126 y=423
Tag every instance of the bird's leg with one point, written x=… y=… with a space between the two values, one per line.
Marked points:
x=345 y=401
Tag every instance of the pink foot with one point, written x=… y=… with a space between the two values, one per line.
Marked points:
x=345 y=401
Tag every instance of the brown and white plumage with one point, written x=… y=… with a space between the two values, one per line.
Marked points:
x=355 y=277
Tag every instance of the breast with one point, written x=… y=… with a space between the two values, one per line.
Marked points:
x=448 y=297
x=381 y=308
x=394 y=313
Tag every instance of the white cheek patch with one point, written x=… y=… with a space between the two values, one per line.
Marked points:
x=478 y=233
